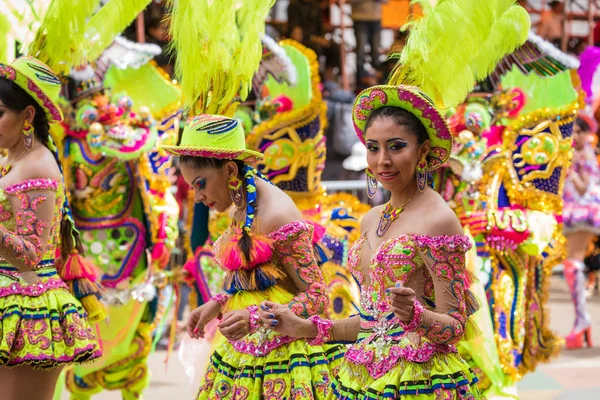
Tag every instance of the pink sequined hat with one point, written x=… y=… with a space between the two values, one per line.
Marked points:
x=411 y=99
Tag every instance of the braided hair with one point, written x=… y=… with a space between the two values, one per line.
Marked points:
x=247 y=173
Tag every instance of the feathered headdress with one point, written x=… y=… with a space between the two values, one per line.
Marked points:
x=218 y=46
x=455 y=44
x=76 y=32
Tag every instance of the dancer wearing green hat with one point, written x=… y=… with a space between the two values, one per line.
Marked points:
x=43 y=326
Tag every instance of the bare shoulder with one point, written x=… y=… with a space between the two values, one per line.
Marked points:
x=41 y=164
x=276 y=209
x=441 y=220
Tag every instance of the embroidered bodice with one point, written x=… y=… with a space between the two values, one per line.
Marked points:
x=285 y=257
x=30 y=216
x=434 y=267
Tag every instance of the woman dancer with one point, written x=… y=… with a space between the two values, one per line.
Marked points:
x=414 y=285
x=267 y=253
x=410 y=260
x=43 y=327
x=581 y=216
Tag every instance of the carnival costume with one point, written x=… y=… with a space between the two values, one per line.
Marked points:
x=505 y=181
x=117 y=180
x=42 y=324
x=283 y=265
x=418 y=359
x=264 y=363
x=286 y=123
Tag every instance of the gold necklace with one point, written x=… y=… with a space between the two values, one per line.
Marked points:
x=389 y=215
x=8 y=167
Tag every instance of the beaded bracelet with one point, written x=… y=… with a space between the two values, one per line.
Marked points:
x=416 y=318
x=254 y=318
x=323 y=330
x=220 y=298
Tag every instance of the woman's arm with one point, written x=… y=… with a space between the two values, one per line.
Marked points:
x=33 y=206
x=293 y=246
x=284 y=321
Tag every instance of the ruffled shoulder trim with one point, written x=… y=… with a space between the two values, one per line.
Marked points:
x=447 y=243
x=32 y=184
x=292 y=230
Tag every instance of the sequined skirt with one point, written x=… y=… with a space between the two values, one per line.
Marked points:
x=41 y=323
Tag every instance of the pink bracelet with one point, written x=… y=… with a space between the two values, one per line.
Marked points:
x=416 y=318
x=220 y=298
x=254 y=318
x=323 y=330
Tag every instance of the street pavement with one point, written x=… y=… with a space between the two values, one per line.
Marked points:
x=573 y=375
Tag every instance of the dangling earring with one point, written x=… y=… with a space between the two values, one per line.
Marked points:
x=422 y=172
x=28 y=135
x=235 y=190
x=371 y=183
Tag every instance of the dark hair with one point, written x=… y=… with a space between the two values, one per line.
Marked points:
x=400 y=117
x=245 y=241
x=16 y=99
x=583 y=124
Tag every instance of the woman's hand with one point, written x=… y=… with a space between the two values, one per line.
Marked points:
x=235 y=324
x=282 y=320
x=200 y=317
x=402 y=300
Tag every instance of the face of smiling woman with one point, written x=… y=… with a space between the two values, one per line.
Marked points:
x=393 y=152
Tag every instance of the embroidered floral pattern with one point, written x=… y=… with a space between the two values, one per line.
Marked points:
x=294 y=248
x=254 y=318
x=385 y=341
x=41 y=323
x=26 y=241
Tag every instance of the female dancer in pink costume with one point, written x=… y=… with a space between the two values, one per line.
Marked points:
x=581 y=216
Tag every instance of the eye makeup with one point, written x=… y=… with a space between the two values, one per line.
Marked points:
x=396 y=144
x=199 y=183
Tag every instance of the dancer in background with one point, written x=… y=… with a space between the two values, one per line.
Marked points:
x=43 y=327
x=581 y=216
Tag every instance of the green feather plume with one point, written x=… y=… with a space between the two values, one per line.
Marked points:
x=456 y=43
x=218 y=50
x=4 y=38
x=107 y=23
x=72 y=34
x=55 y=42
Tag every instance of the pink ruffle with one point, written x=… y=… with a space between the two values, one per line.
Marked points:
x=33 y=290
x=378 y=368
x=291 y=229
x=259 y=350
x=32 y=184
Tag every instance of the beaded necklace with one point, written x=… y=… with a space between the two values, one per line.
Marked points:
x=389 y=215
x=6 y=169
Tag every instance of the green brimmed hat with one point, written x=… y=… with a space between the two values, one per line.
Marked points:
x=38 y=80
x=414 y=101
x=214 y=136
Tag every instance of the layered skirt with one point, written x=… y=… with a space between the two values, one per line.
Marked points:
x=266 y=365
x=41 y=323
x=399 y=369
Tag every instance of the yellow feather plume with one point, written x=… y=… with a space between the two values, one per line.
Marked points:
x=72 y=34
x=218 y=50
x=456 y=43
x=55 y=43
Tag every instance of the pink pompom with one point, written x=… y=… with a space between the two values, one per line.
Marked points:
x=285 y=103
